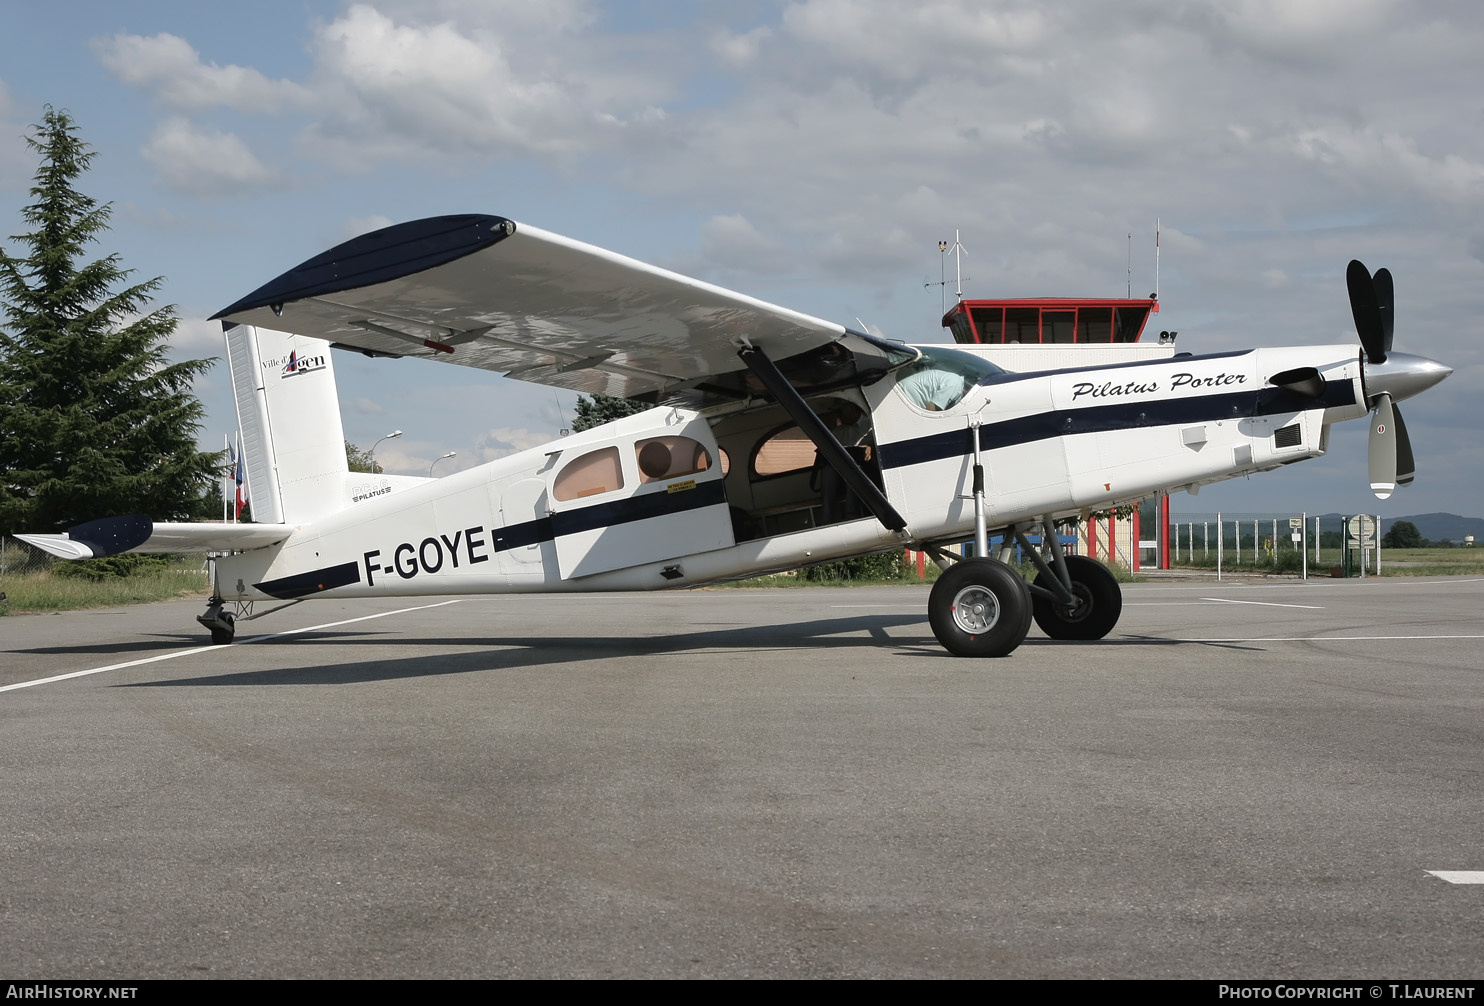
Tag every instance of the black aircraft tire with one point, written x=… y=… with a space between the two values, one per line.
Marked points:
x=980 y=608
x=221 y=637
x=1102 y=602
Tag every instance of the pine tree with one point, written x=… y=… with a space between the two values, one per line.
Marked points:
x=94 y=420
x=600 y=409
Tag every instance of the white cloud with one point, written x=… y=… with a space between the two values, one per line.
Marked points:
x=502 y=441
x=195 y=337
x=404 y=90
x=172 y=70
x=356 y=226
x=367 y=407
x=1370 y=156
x=1303 y=29
x=740 y=50
x=907 y=40
x=204 y=161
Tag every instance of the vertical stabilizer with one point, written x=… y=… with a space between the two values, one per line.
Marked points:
x=293 y=443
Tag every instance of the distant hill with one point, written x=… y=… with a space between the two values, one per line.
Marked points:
x=1437 y=526
x=1433 y=526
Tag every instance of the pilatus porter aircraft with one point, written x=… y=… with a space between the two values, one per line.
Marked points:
x=775 y=439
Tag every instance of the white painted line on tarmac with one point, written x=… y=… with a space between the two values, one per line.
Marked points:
x=1267 y=604
x=1296 y=639
x=202 y=649
x=1459 y=876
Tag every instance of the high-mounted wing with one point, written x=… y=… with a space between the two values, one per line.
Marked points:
x=484 y=291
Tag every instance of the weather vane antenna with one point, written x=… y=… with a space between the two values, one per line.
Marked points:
x=958 y=268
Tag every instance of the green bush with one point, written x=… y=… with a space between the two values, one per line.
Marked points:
x=123 y=564
x=1287 y=561
x=881 y=566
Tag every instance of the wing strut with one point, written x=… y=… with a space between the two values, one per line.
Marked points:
x=824 y=441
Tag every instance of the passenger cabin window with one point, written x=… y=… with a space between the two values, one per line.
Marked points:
x=670 y=457
x=787 y=450
x=593 y=473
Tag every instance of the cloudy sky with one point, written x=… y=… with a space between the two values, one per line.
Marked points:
x=813 y=154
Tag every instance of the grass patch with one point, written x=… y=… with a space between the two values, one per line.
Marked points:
x=46 y=591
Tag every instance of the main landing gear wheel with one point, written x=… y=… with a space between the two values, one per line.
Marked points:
x=1099 y=602
x=223 y=632
x=980 y=608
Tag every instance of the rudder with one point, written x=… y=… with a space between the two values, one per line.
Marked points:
x=293 y=442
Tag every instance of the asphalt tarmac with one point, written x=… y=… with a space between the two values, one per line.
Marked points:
x=1246 y=780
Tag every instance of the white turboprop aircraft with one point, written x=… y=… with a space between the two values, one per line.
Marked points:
x=917 y=447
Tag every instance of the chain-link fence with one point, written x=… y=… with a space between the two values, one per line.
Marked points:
x=18 y=559
x=1274 y=542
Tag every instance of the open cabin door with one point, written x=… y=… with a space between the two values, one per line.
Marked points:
x=644 y=497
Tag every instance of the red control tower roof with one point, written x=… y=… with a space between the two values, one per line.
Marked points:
x=1049 y=320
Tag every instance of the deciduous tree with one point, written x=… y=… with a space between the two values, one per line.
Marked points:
x=1403 y=534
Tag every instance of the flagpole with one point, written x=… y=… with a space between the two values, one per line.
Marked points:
x=227 y=479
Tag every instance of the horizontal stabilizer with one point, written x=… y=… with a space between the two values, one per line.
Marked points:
x=137 y=533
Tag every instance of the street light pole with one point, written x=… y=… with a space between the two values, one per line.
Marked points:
x=372 y=453
x=438 y=459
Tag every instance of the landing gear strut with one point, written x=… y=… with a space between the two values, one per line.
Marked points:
x=983 y=607
x=223 y=623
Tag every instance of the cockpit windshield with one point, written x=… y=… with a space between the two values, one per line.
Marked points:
x=941 y=378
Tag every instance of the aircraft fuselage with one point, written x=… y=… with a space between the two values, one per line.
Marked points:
x=593 y=511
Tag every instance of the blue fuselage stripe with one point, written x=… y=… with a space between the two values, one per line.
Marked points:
x=1119 y=416
x=531 y=532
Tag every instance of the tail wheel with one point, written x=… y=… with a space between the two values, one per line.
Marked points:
x=222 y=636
x=980 y=608
x=1099 y=602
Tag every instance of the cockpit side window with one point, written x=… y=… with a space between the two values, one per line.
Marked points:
x=939 y=381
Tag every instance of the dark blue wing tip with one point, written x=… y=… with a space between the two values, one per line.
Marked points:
x=388 y=254
x=112 y=535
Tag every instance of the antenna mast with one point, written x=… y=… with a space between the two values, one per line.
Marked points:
x=1156 y=258
x=958 y=251
x=958 y=265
